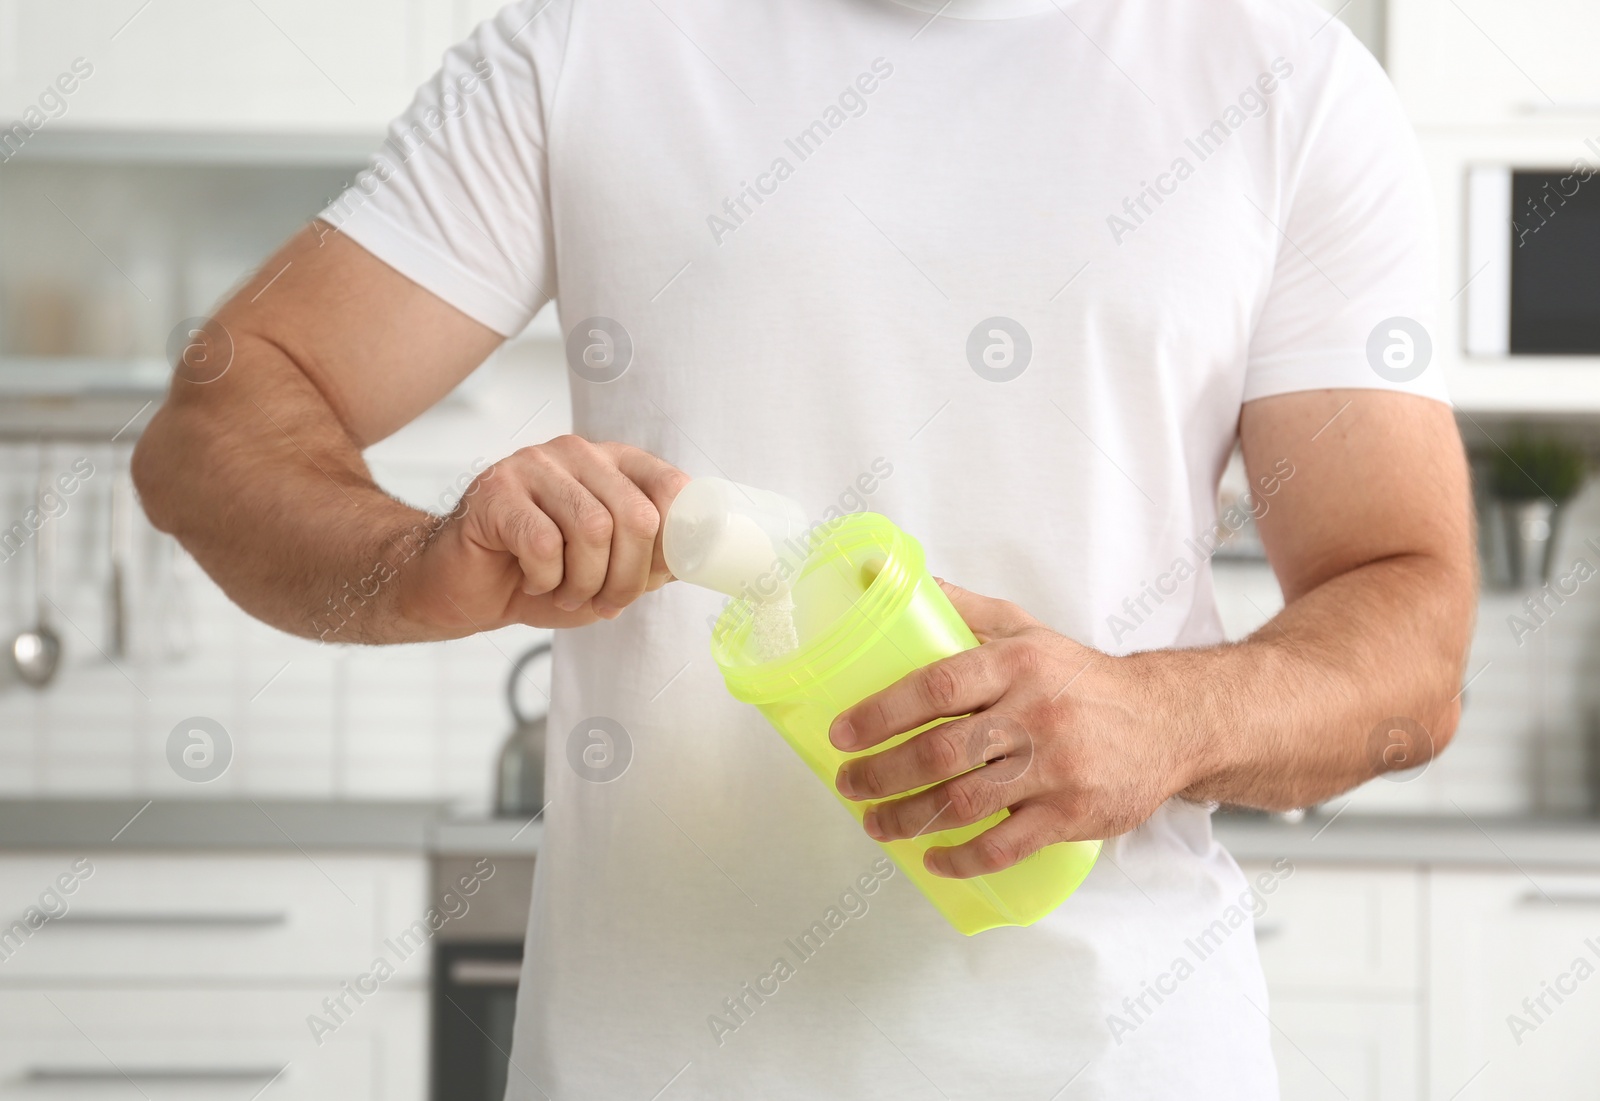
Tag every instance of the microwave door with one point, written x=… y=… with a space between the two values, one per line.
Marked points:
x=1555 y=263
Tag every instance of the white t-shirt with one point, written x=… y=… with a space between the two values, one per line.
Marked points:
x=1003 y=271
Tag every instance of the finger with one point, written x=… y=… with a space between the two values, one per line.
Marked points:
x=968 y=681
x=512 y=524
x=634 y=523
x=1023 y=832
x=938 y=753
x=960 y=802
x=988 y=617
x=660 y=481
x=585 y=527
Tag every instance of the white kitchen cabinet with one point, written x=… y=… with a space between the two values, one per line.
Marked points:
x=208 y=1045
x=198 y=975
x=1341 y=931
x=1341 y=949
x=180 y=918
x=228 y=65
x=1358 y=1050
x=1514 y=1001
x=1459 y=62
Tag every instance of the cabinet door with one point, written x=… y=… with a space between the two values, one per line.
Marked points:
x=1477 y=61
x=1340 y=931
x=207 y=918
x=200 y=64
x=1514 y=1003
x=209 y=1045
x=1357 y=1050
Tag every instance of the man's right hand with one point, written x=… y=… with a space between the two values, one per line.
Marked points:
x=557 y=535
x=257 y=469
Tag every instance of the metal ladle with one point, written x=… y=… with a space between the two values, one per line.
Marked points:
x=36 y=652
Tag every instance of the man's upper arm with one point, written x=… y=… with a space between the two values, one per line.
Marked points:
x=379 y=348
x=1373 y=475
x=442 y=246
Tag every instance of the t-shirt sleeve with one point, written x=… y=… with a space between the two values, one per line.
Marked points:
x=457 y=198
x=1353 y=301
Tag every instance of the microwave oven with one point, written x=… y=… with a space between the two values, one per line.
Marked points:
x=1533 y=261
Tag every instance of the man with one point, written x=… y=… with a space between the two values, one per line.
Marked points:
x=1019 y=275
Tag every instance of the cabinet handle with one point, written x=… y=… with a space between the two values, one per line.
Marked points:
x=1540 y=898
x=470 y=972
x=152 y=1074
x=142 y=919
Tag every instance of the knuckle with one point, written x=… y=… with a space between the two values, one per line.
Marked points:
x=640 y=519
x=966 y=804
x=492 y=480
x=940 y=686
x=1022 y=657
x=864 y=776
x=873 y=716
x=941 y=753
x=993 y=853
x=591 y=521
x=545 y=543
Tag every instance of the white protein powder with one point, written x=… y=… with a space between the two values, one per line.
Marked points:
x=772 y=630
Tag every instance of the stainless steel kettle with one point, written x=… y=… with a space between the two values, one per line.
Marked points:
x=519 y=775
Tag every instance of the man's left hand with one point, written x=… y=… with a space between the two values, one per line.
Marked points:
x=1075 y=743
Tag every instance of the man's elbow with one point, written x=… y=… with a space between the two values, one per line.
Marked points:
x=152 y=467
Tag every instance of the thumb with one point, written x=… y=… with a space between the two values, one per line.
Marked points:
x=988 y=617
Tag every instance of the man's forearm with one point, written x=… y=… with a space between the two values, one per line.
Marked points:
x=267 y=491
x=1300 y=711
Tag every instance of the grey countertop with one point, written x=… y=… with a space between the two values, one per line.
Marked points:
x=254 y=825
x=427 y=828
x=1414 y=839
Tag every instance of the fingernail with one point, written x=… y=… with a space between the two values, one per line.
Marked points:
x=869 y=822
x=843 y=735
x=606 y=611
x=567 y=604
x=842 y=782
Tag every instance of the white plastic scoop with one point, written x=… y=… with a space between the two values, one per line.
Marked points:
x=741 y=541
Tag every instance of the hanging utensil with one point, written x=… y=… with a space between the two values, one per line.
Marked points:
x=36 y=651
x=118 y=529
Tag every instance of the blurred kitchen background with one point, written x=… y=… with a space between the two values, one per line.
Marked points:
x=207 y=132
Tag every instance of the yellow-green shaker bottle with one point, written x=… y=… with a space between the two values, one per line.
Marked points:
x=866 y=613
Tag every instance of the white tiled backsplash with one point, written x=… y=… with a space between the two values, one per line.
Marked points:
x=1531 y=703
x=426 y=721
x=305 y=719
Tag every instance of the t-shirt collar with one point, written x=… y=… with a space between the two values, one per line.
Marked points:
x=979 y=9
